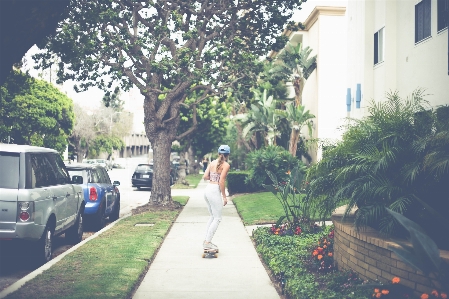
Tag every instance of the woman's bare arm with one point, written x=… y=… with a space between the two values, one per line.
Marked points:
x=222 y=182
x=206 y=175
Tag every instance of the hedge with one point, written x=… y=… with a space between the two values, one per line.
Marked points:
x=236 y=183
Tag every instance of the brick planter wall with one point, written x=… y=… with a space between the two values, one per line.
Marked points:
x=366 y=252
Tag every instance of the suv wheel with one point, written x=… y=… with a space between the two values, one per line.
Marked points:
x=75 y=234
x=45 y=246
x=116 y=213
x=100 y=220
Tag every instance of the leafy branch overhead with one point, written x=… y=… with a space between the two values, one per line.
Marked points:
x=166 y=47
x=171 y=51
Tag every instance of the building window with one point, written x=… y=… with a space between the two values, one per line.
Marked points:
x=443 y=14
x=379 y=46
x=422 y=20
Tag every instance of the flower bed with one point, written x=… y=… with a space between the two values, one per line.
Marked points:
x=299 y=272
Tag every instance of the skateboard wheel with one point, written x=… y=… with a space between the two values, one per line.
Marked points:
x=204 y=255
x=215 y=255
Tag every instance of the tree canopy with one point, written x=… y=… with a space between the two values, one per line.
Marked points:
x=168 y=49
x=34 y=112
x=19 y=30
x=212 y=121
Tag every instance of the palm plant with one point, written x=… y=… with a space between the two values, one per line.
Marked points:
x=295 y=65
x=298 y=118
x=395 y=158
x=262 y=118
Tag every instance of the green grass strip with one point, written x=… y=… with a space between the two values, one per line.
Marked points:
x=108 y=266
x=262 y=208
x=258 y=208
x=192 y=179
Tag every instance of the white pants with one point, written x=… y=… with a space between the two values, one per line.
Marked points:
x=212 y=195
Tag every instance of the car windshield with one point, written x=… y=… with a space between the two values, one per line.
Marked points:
x=82 y=173
x=101 y=161
x=9 y=179
x=144 y=167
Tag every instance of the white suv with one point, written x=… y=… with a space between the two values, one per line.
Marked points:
x=38 y=200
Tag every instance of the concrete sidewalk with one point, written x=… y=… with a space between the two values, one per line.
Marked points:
x=179 y=271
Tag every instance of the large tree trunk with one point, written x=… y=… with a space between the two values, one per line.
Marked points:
x=161 y=191
x=161 y=131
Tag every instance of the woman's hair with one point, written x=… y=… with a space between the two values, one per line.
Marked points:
x=221 y=159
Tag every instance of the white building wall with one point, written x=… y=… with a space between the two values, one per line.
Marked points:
x=325 y=89
x=332 y=77
x=407 y=66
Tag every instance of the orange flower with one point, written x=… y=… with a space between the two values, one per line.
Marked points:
x=324 y=246
x=435 y=293
x=443 y=295
x=329 y=254
x=320 y=256
x=424 y=296
x=314 y=252
x=378 y=295
x=385 y=292
x=288 y=172
x=395 y=280
x=376 y=290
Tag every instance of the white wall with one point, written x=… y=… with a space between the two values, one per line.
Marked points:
x=407 y=66
x=325 y=89
x=332 y=76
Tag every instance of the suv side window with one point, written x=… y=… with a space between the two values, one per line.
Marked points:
x=104 y=176
x=9 y=179
x=61 y=174
x=94 y=177
x=42 y=173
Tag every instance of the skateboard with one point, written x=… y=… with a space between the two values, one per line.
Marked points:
x=210 y=253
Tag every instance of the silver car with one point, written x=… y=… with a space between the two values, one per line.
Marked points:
x=38 y=199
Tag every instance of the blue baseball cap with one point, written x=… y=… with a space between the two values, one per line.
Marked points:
x=224 y=149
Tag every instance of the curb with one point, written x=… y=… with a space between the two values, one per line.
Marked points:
x=18 y=284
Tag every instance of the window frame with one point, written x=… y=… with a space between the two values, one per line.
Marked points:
x=442 y=14
x=379 y=47
x=423 y=10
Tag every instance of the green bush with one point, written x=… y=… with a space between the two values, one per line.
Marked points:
x=272 y=158
x=396 y=157
x=237 y=183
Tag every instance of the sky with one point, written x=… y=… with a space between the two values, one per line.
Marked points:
x=133 y=99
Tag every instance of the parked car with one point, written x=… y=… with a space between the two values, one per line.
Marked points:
x=101 y=197
x=143 y=176
x=38 y=200
x=102 y=162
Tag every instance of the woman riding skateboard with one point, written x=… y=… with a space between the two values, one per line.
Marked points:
x=214 y=194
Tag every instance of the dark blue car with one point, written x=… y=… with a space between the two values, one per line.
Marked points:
x=102 y=197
